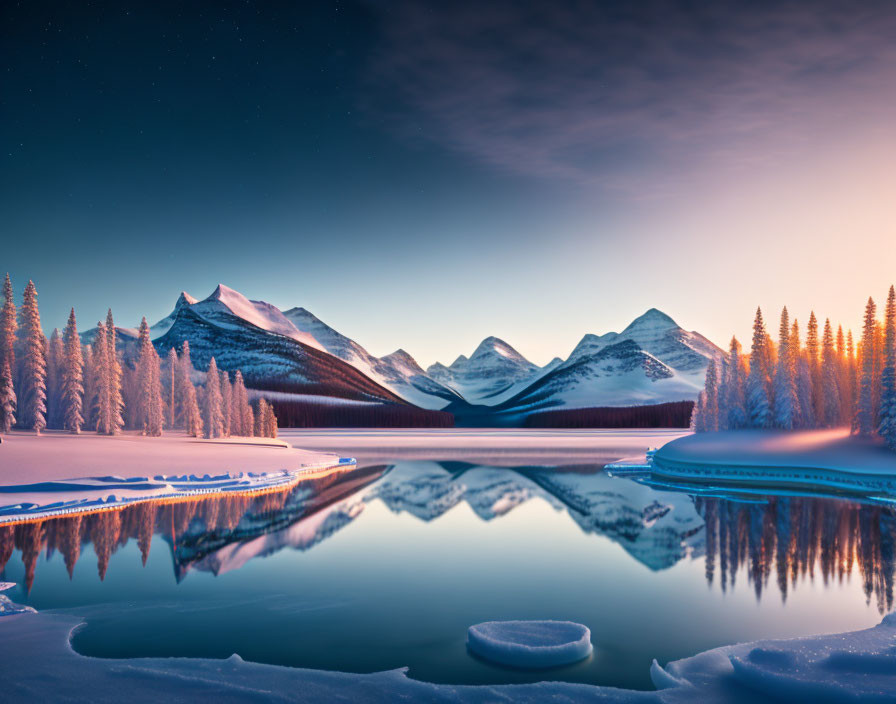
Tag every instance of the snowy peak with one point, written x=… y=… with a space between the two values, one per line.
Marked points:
x=496 y=346
x=400 y=359
x=225 y=301
x=653 y=319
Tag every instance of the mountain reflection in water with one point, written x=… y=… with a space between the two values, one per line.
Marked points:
x=796 y=538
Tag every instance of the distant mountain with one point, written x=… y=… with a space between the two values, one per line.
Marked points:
x=265 y=346
x=304 y=360
x=489 y=375
x=397 y=371
x=652 y=361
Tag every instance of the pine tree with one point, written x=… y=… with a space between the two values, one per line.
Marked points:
x=172 y=388
x=8 y=327
x=261 y=415
x=814 y=357
x=102 y=376
x=150 y=414
x=72 y=377
x=33 y=389
x=7 y=398
x=55 y=358
x=212 y=410
x=271 y=422
x=226 y=403
x=887 y=423
x=188 y=403
x=786 y=398
x=698 y=415
x=830 y=375
x=711 y=406
x=735 y=404
x=864 y=413
x=89 y=403
x=758 y=404
x=116 y=402
x=247 y=416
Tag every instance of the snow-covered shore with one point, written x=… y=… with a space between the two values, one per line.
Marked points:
x=58 y=473
x=39 y=664
x=806 y=460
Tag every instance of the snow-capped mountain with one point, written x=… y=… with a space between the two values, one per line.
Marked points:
x=256 y=338
x=397 y=371
x=489 y=375
x=652 y=361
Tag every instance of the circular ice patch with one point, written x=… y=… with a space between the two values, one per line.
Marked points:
x=530 y=644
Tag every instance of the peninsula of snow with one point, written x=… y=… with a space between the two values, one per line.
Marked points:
x=57 y=473
x=813 y=460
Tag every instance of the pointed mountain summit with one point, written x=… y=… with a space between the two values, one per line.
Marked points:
x=494 y=368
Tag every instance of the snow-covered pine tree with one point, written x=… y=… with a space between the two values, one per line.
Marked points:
x=736 y=401
x=813 y=352
x=156 y=411
x=8 y=326
x=72 y=377
x=33 y=389
x=89 y=403
x=852 y=353
x=226 y=402
x=271 y=423
x=188 y=402
x=846 y=400
x=711 y=408
x=786 y=399
x=830 y=377
x=236 y=412
x=722 y=400
x=102 y=377
x=172 y=388
x=114 y=370
x=247 y=421
x=261 y=414
x=864 y=410
x=698 y=414
x=887 y=423
x=55 y=356
x=150 y=414
x=212 y=410
x=7 y=398
x=758 y=405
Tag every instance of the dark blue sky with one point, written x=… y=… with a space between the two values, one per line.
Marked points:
x=426 y=175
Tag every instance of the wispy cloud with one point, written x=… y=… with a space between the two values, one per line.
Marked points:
x=611 y=94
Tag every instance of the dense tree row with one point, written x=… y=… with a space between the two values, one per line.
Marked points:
x=304 y=414
x=823 y=383
x=661 y=415
x=105 y=386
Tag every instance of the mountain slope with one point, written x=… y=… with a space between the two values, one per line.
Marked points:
x=488 y=374
x=267 y=360
x=397 y=371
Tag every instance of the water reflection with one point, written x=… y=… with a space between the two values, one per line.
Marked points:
x=794 y=538
x=799 y=538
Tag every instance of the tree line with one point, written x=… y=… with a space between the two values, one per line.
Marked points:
x=62 y=383
x=675 y=414
x=825 y=382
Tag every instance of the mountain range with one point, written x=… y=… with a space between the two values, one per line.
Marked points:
x=293 y=355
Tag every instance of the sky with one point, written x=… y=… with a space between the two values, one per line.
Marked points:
x=423 y=175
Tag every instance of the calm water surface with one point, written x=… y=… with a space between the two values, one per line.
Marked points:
x=387 y=565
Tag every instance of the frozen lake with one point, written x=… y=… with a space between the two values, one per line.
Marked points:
x=388 y=565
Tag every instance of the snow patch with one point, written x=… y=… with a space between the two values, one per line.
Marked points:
x=530 y=644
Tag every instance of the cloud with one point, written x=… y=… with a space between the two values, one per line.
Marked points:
x=610 y=94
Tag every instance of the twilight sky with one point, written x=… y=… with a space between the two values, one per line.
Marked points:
x=426 y=174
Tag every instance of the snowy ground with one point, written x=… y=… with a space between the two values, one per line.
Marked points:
x=806 y=460
x=497 y=447
x=58 y=472
x=38 y=664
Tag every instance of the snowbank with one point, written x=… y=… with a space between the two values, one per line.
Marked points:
x=57 y=473
x=806 y=459
x=846 y=667
x=530 y=644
